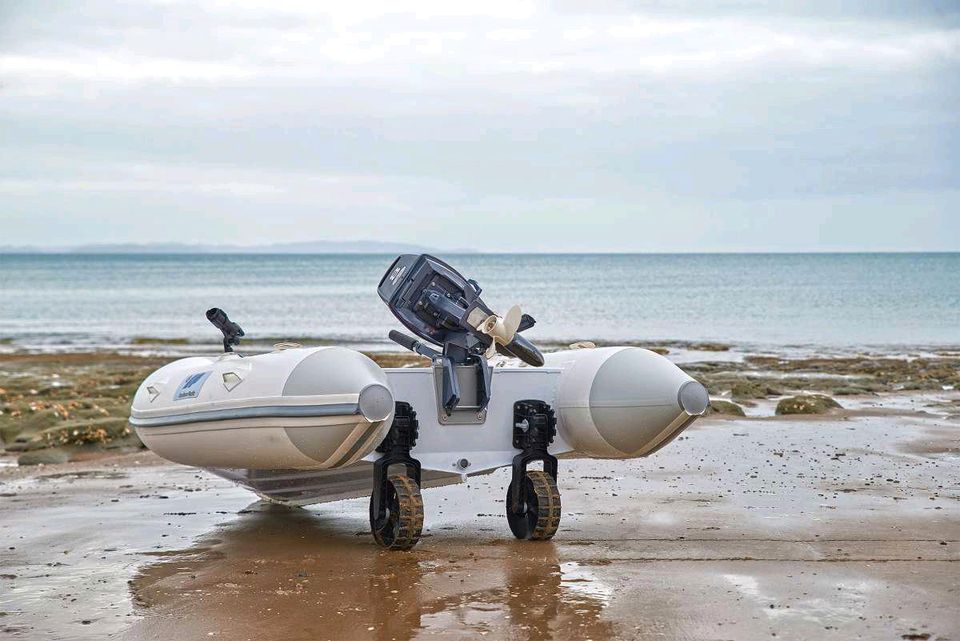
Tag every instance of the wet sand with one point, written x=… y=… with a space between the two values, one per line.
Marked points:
x=834 y=527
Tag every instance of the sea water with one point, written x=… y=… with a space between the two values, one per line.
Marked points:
x=759 y=299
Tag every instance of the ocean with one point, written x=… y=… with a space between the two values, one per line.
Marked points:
x=751 y=299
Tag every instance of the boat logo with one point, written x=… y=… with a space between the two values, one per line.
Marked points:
x=397 y=273
x=190 y=387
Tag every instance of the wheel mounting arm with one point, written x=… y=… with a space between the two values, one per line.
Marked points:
x=396 y=507
x=533 y=500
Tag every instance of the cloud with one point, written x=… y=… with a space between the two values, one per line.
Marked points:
x=245 y=45
x=597 y=114
x=108 y=69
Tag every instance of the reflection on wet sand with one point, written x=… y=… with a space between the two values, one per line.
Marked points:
x=287 y=574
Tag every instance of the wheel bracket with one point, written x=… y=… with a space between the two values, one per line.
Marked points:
x=534 y=428
x=395 y=448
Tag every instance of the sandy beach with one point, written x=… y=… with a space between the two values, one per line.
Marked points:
x=834 y=526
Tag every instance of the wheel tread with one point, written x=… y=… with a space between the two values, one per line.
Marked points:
x=548 y=505
x=411 y=512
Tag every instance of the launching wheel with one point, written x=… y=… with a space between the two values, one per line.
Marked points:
x=538 y=516
x=396 y=507
x=400 y=525
x=533 y=500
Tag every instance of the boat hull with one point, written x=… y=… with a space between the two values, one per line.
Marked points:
x=298 y=416
x=315 y=408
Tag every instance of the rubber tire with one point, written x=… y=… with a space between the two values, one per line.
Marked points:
x=401 y=528
x=541 y=515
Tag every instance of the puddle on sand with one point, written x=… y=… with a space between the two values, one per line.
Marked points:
x=296 y=574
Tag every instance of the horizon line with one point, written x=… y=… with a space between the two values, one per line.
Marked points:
x=465 y=252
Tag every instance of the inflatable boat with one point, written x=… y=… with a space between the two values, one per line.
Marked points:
x=303 y=425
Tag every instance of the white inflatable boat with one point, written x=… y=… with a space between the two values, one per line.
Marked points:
x=305 y=425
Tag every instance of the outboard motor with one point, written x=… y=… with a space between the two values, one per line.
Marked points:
x=435 y=302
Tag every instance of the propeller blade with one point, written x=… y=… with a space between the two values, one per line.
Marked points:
x=512 y=320
x=502 y=329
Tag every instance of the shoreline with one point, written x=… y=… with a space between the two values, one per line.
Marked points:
x=147 y=346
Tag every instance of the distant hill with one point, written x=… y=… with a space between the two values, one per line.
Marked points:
x=308 y=247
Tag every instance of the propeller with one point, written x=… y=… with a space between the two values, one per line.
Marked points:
x=502 y=329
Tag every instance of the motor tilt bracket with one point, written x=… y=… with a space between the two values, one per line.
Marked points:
x=395 y=448
x=534 y=428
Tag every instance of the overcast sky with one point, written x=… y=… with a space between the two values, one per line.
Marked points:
x=493 y=124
